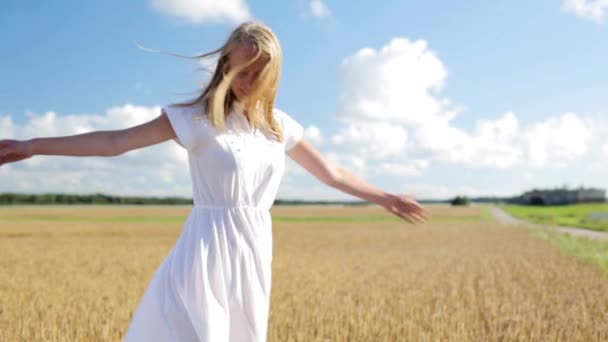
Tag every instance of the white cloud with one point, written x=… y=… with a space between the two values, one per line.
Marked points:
x=372 y=139
x=494 y=142
x=399 y=83
x=319 y=9
x=605 y=150
x=503 y=143
x=558 y=140
x=392 y=112
x=200 y=11
x=6 y=127
x=399 y=169
x=591 y=9
x=374 y=149
x=313 y=134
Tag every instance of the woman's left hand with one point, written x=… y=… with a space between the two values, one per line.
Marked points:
x=406 y=207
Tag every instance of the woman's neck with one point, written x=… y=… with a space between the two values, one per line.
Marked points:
x=240 y=108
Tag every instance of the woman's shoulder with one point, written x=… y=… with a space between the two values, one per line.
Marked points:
x=284 y=118
x=280 y=115
x=190 y=112
x=292 y=129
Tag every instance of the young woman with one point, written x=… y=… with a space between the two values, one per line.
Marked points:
x=215 y=283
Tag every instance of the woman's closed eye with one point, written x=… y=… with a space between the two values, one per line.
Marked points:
x=245 y=74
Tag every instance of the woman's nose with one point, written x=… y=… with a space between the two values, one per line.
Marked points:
x=247 y=83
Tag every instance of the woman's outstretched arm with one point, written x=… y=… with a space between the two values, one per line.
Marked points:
x=98 y=143
x=337 y=177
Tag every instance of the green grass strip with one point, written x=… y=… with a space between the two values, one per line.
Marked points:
x=566 y=215
x=593 y=251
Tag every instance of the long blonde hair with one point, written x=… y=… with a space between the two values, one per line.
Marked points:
x=217 y=98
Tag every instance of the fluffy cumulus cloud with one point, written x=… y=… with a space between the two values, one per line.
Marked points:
x=201 y=11
x=399 y=83
x=561 y=139
x=505 y=143
x=372 y=139
x=313 y=134
x=160 y=170
x=395 y=120
x=591 y=9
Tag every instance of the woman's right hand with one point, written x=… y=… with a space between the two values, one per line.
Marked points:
x=14 y=150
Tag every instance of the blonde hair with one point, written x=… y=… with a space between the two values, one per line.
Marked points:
x=218 y=99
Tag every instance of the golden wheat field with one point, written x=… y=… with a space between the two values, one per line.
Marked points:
x=76 y=273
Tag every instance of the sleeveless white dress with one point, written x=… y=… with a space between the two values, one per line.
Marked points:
x=215 y=283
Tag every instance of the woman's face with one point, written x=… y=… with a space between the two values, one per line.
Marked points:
x=242 y=84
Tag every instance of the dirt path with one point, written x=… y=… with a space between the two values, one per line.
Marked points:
x=505 y=218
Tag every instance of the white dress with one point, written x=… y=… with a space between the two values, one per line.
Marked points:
x=215 y=283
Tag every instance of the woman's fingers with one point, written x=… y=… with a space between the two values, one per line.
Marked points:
x=424 y=214
x=395 y=210
x=412 y=207
x=412 y=216
x=418 y=213
x=416 y=217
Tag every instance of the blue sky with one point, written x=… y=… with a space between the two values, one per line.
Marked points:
x=499 y=96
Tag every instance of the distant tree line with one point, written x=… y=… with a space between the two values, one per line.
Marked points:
x=62 y=198
x=59 y=198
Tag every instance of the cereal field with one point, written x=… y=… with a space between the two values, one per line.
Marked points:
x=76 y=273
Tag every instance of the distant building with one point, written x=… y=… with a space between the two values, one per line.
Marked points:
x=563 y=196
